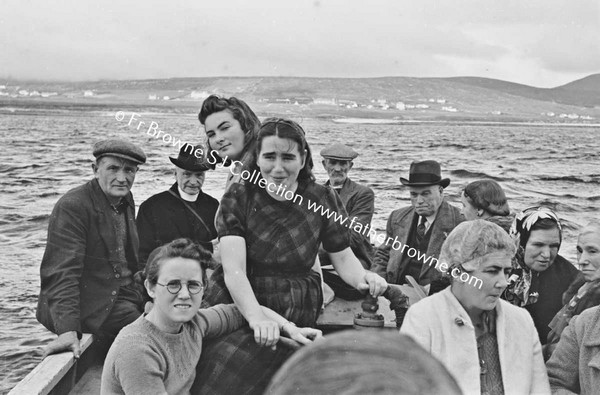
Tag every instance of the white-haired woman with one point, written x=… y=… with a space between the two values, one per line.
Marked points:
x=487 y=344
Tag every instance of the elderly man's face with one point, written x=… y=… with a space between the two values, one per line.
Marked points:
x=189 y=181
x=426 y=200
x=478 y=296
x=337 y=170
x=115 y=176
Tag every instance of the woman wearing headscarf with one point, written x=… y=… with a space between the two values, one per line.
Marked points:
x=584 y=292
x=540 y=275
x=485 y=199
x=488 y=345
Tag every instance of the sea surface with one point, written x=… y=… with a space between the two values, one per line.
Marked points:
x=44 y=153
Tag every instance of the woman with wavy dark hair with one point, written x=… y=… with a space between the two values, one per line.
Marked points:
x=485 y=199
x=231 y=129
x=270 y=232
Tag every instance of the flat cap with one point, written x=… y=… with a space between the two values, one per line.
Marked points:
x=339 y=151
x=119 y=148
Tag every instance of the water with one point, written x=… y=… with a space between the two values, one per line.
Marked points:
x=46 y=153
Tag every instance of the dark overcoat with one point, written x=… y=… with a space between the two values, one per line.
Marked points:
x=80 y=270
x=359 y=202
x=390 y=263
x=163 y=218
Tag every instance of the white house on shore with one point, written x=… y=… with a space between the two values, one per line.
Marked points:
x=199 y=95
x=152 y=97
x=328 y=102
x=449 y=109
x=400 y=106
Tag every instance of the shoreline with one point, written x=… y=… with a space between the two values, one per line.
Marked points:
x=388 y=121
x=58 y=107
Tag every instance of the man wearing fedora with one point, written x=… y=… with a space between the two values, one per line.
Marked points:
x=92 y=253
x=184 y=210
x=359 y=202
x=424 y=226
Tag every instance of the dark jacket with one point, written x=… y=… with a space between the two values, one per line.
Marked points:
x=390 y=263
x=551 y=284
x=359 y=202
x=80 y=271
x=163 y=218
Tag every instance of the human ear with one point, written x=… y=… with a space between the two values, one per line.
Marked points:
x=150 y=288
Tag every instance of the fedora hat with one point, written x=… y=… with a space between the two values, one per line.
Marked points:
x=187 y=159
x=427 y=172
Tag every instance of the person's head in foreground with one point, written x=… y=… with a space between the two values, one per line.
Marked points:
x=190 y=169
x=539 y=234
x=175 y=280
x=337 y=161
x=283 y=156
x=116 y=165
x=588 y=251
x=230 y=125
x=363 y=362
x=483 y=199
x=426 y=187
x=479 y=255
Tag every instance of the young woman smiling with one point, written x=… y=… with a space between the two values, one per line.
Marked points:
x=231 y=128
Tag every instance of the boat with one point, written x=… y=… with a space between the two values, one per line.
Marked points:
x=63 y=374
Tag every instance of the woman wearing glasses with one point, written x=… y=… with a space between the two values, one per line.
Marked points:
x=539 y=276
x=158 y=353
x=270 y=237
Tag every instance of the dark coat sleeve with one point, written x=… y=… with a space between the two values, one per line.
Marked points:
x=362 y=208
x=62 y=264
x=382 y=254
x=145 y=226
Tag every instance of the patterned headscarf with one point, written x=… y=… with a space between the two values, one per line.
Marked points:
x=519 y=290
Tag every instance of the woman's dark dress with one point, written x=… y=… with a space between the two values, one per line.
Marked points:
x=282 y=242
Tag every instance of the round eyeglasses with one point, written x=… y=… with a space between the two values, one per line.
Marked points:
x=194 y=287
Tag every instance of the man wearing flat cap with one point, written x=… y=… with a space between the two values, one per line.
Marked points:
x=423 y=226
x=359 y=202
x=182 y=211
x=92 y=253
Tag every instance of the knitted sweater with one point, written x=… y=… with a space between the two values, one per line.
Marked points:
x=145 y=360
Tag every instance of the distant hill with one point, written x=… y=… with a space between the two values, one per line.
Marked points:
x=584 y=92
x=427 y=98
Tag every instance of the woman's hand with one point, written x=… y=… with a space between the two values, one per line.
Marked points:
x=301 y=335
x=374 y=283
x=266 y=332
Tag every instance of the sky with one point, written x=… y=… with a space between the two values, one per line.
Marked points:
x=543 y=43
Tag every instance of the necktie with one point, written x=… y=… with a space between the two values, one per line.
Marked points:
x=422 y=228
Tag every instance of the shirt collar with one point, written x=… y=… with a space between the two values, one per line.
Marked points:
x=186 y=196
